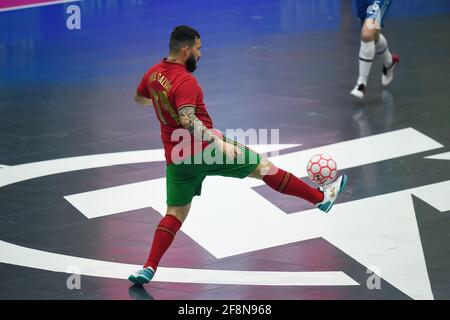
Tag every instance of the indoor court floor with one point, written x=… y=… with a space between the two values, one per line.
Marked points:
x=82 y=169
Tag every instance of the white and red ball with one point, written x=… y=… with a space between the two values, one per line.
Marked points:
x=322 y=169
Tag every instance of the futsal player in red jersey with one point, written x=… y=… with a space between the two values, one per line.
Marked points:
x=177 y=98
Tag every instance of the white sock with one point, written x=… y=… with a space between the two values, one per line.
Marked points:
x=382 y=49
x=366 y=55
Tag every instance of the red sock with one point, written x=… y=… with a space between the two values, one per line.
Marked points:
x=164 y=235
x=287 y=183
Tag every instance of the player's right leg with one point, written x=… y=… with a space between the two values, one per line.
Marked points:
x=369 y=34
x=287 y=183
x=259 y=167
x=163 y=237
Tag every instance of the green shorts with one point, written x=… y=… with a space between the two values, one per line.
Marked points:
x=184 y=180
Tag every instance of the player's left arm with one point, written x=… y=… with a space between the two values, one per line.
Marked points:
x=143 y=101
x=142 y=95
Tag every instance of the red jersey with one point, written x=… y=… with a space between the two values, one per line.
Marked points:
x=171 y=87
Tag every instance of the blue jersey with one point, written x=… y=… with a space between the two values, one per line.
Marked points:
x=372 y=9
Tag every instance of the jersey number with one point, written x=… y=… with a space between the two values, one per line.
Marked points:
x=160 y=98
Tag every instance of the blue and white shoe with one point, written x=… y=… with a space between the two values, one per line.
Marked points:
x=142 y=276
x=330 y=193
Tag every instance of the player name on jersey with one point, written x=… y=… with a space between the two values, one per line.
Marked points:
x=156 y=76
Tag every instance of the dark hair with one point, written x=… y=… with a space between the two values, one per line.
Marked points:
x=182 y=36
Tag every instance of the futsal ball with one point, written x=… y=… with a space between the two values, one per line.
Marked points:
x=322 y=169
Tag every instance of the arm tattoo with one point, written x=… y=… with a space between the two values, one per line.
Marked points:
x=195 y=126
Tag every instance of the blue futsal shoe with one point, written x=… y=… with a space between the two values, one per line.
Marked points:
x=330 y=193
x=142 y=276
